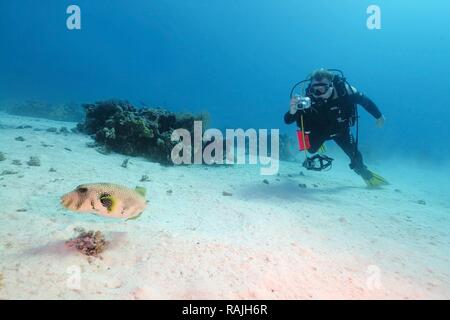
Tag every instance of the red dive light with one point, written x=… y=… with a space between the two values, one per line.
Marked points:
x=303 y=140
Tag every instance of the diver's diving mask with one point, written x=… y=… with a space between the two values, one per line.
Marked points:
x=321 y=90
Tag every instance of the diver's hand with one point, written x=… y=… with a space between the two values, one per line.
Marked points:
x=380 y=122
x=293 y=105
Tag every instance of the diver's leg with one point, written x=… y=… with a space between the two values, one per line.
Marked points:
x=315 y=141
x=347 y=143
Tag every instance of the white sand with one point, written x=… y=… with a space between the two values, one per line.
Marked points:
x=266 y=241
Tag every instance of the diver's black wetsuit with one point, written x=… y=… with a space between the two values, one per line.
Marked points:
x=331 y=120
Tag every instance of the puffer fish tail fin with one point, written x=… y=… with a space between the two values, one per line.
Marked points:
x=141 y=190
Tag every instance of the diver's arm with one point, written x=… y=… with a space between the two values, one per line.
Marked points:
x=369 y=105
x=366 y=102
x=292 y=114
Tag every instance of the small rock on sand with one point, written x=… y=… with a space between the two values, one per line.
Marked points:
x=342 y=220
x=34 y=162
x=64 y=130
x=143 y=293
x=114 y=283
x=103 y=150
x=125 y=163
x=8 y=172
x=91 y=144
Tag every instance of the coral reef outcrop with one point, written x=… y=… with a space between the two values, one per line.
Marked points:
x=122 y=128
x=89 y=243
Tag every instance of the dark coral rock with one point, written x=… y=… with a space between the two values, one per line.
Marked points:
x=99 y=112
x=88 y=243
x=146 y=132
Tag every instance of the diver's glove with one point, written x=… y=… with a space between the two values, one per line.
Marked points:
x=293 y=108
x=380 y=121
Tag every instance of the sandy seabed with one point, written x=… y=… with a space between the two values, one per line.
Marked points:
x=334 y=239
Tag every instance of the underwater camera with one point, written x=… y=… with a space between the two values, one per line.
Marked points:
x=303 y=102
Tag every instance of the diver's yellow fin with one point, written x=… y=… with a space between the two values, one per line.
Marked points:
x=135 y=217
x=141 y=190
x=376 y=180
x=322 y=148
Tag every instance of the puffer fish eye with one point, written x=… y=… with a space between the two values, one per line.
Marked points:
x=107 y=201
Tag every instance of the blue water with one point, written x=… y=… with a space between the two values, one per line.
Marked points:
x=237 y=59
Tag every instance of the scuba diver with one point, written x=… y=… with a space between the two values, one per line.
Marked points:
x=327 y=110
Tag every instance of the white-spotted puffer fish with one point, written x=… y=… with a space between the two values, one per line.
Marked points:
x=106 y=199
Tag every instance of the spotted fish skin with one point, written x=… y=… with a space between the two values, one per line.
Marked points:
x=106 y=199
